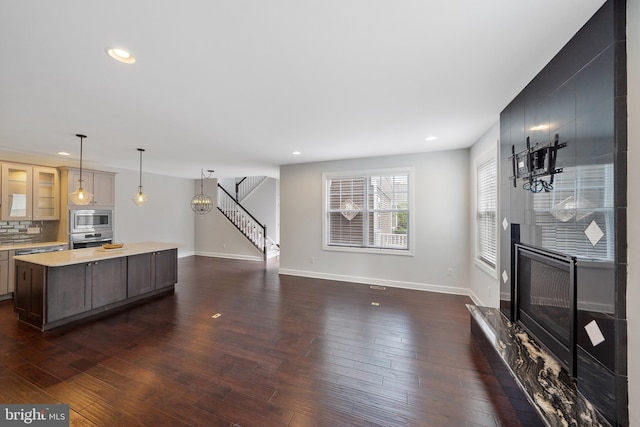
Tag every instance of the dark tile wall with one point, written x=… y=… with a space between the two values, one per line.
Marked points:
x=581 y=96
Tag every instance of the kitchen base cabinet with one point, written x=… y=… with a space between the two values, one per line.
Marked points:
x=49 y=294
x=12 y=271
x=108 y=281
x=165 y=268
x=29 y=294
x=139 y=275
x=155 y=270
x=68 y=291
x=4 y=275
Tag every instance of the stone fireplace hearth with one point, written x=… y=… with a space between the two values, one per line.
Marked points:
x=548 y=387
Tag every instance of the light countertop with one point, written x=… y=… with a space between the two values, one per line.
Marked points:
x=18 y=246
x=79 y=256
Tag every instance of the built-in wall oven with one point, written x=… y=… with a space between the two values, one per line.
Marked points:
x=90 y=228
x=90 y=240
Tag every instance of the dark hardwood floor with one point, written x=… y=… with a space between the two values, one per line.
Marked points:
x=285 y=351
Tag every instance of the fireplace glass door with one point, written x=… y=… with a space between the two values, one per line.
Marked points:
x=545 y=289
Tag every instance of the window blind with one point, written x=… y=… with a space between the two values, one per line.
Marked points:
x=487 y=201
x=368 y=211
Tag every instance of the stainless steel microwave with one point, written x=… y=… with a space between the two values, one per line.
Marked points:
x=88 y=220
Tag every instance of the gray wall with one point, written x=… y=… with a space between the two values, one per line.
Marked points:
x=441 y=226
x=262 y=203
x=484 y=285
x=167 y=217
x=215 y=235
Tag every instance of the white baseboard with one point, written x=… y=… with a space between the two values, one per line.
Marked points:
x=185 y=254
x=382 y=282
x=477 y=301
x=229 y=256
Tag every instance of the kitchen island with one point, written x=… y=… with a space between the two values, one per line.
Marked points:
x=57 y=288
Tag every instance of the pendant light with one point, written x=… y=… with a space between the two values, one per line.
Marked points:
x=81 y=196
x=140 y=199
x=201 y=203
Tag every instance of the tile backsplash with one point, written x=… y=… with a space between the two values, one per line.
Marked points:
x=16 y=232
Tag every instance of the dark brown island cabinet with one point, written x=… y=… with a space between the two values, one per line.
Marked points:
x=54 y=289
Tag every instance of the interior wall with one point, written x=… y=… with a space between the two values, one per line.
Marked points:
x=215 y=236
x=484 y=284
x=633 y=199
x=441 y=225
x=262 y=203
x=167 y=217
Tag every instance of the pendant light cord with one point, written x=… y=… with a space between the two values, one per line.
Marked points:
x=81 y=138
x=80 y=161
x=140 y=186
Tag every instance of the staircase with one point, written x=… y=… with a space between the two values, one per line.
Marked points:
x=246 y=223
x=244 y=186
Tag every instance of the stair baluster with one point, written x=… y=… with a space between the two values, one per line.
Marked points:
x=250 y=227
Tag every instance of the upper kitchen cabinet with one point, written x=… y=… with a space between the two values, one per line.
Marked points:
x=29 y=192
x=100 y=184
x=46 y=193
x=17 y=191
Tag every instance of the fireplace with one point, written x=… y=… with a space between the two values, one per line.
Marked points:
x=545 y=300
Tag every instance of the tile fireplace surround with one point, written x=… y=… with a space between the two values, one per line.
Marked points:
x=549 y=389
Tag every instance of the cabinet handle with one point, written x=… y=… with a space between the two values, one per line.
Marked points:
x=24 y=275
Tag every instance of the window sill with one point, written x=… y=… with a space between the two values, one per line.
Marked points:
x=399 y=252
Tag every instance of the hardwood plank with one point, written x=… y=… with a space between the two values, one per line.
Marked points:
x=286 y=351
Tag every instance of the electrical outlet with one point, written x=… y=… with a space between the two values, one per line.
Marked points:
x=449 y=271
x=312 y=260
x=33 y=230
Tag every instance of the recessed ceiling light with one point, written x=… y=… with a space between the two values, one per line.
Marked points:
x=121 y=55
x=63 y=153
x=296 y=153
x=431 y=138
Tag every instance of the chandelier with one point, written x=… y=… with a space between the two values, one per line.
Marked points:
x=202 y=203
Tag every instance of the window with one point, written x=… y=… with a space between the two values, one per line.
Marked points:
x=368 y=210
x=486 y=209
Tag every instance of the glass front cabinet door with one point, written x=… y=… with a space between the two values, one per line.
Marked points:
x=46 y=193
x=16 y=192
x=29 y=193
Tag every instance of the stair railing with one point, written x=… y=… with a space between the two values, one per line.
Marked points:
x=248 y=225
x=246 y=185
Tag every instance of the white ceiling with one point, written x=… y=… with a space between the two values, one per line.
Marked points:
x=236 y=86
